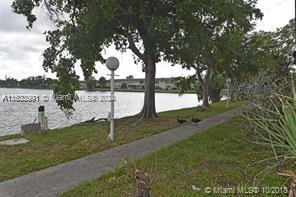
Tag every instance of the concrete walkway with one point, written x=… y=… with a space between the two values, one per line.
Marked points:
x=60 y=178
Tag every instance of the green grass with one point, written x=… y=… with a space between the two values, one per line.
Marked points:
x=71 y=143
x=222 y=156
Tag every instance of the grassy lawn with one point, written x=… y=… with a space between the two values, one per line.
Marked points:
x=70 y=143
x=222 y=157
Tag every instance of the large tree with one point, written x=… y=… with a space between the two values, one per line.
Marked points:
x=259 y=54
x=284 y=47
x=211 y=30
x=85 y=27
x=269 y=52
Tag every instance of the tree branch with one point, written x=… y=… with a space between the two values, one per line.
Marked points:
x=131 y=43
x=133 y=47
x=198 y=74
x=208 y=74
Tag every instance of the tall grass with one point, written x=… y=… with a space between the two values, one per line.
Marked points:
x=272 y=112
x=277 y=124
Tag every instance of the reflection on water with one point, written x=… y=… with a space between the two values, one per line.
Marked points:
x=12 y=115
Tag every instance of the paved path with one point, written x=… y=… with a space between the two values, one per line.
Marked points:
x=57 y=179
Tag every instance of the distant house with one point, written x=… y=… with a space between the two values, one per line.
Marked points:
x=139 y=84
x=165 y=83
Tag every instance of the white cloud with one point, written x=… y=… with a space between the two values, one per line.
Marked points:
x=277 y=13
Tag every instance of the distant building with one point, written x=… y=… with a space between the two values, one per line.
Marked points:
x=139 y=84
x=165 y=83
x=135 y=84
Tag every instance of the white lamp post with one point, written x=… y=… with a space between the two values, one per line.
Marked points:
x=228 y=81
x=112 y=64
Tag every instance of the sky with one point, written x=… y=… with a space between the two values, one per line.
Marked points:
x=21 y=50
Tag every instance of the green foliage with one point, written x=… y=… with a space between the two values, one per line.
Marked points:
x=279 y=127
x=287 y=124
x=9 y=83
x=206 y=26
x=273 y=114
x=185 y=84
x=64 y=88
x=266 y=57
x=2 y=83
x=283 y=49
x=26 y=7
x=123 y=86
x=216 y=84
x=180 y=31
x=158 y=88
x=85 y=28
x=212 y=32
x=102 y=82
x=90 y=83
x=270 y=52
x=130 y=77
x=246 y=54
x=260 y=56
x=37 y=82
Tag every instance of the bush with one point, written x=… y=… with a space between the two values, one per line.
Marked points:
x=123 y=86
x=90 y=83
x=216 y=85
x=271 y=111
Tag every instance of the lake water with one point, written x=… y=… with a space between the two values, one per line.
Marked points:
x=14 y=114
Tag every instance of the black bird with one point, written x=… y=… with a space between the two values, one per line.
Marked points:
x=180 y=121
x=195 y=120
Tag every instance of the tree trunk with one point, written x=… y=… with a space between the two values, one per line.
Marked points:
x=232 y=92
x=148 y=110
x=205 y=88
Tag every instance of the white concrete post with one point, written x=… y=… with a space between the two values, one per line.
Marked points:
x=112 y=64
x=42 y=119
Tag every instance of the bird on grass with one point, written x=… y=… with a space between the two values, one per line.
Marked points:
x=180 y=121
x=195 y=120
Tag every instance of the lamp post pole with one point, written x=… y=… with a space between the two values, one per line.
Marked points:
x=228 y=81
x=112 y=64
x=111 y=134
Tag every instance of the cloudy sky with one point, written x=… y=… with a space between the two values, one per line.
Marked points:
x=21 y=50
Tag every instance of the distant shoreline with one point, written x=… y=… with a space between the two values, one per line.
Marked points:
x=106 y=90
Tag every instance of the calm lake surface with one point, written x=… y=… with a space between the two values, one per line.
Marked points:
x=14 y=114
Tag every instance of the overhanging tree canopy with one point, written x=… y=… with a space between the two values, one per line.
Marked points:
x=151 y=29
x=85 y=27
x=211 y=33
